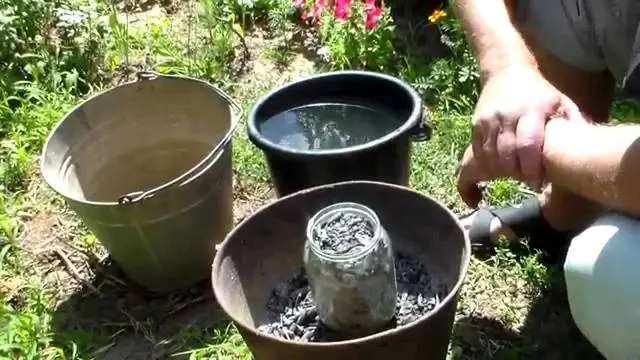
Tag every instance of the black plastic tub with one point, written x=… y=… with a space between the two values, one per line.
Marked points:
x=385 y=159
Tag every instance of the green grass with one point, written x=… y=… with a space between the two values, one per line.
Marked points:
x=60 y=298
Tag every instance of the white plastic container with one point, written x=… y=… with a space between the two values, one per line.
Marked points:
x=602 y=272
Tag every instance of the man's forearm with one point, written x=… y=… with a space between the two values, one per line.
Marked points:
x=601 y=163
x=495 y=40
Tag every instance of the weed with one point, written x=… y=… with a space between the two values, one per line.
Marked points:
x=451 y=83
x=280 y=53
x=120 y=39
x=281 y=16
x=222 y=344
x=42 y=39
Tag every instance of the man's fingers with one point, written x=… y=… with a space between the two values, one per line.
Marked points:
x=529 y=142
x=571 y=111
x=484 y=141
x=477 y=136
x=468 y=188
x=489 y=156
x=469 y=175
x=506 y=150
x=470 y=193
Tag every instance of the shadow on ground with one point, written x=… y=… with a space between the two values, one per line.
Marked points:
x=547 y=333
x=115 y=319
x=112 y=318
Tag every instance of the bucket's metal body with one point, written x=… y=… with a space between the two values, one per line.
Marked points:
x=147 y=167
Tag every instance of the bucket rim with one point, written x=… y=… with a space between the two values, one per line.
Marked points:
x=451 y=296
x=406 y=128
x=183 y=178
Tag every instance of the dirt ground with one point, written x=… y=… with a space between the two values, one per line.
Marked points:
x=94 y=294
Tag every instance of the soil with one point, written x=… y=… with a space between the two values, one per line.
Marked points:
x=137 y=6
x=93 y=295
x=249 y=197
x=293 y=315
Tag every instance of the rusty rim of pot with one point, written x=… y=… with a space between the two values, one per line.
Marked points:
x=452 y=292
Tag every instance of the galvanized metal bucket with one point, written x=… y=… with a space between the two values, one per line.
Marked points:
x=147 y=167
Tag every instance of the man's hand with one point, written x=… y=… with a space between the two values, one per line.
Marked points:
x=470 y=173
x=508 y=129
x=508 y=126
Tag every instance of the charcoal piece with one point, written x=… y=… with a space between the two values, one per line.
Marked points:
x=344 y=233
x=293 y=315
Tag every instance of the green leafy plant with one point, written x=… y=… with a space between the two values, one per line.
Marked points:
x=42 y=38
x=450 y=83
x=119 y=38
x=13 y=165
x=249 y=12
x=281 y=16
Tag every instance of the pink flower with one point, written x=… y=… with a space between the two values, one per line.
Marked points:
x=299 y=3
x=342 y=9
x=321 y=5
x=373 y=14
x=316 y=10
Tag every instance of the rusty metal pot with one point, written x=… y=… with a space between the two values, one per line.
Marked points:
x=268 y=246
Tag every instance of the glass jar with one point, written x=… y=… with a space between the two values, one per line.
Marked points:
x=354 y=287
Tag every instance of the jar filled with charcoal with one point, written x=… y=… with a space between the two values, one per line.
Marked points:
x=349 y=261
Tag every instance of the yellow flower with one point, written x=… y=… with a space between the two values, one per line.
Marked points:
x=436 y=15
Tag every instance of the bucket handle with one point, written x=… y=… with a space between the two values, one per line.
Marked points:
x=422 y=131
x=138 y=196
